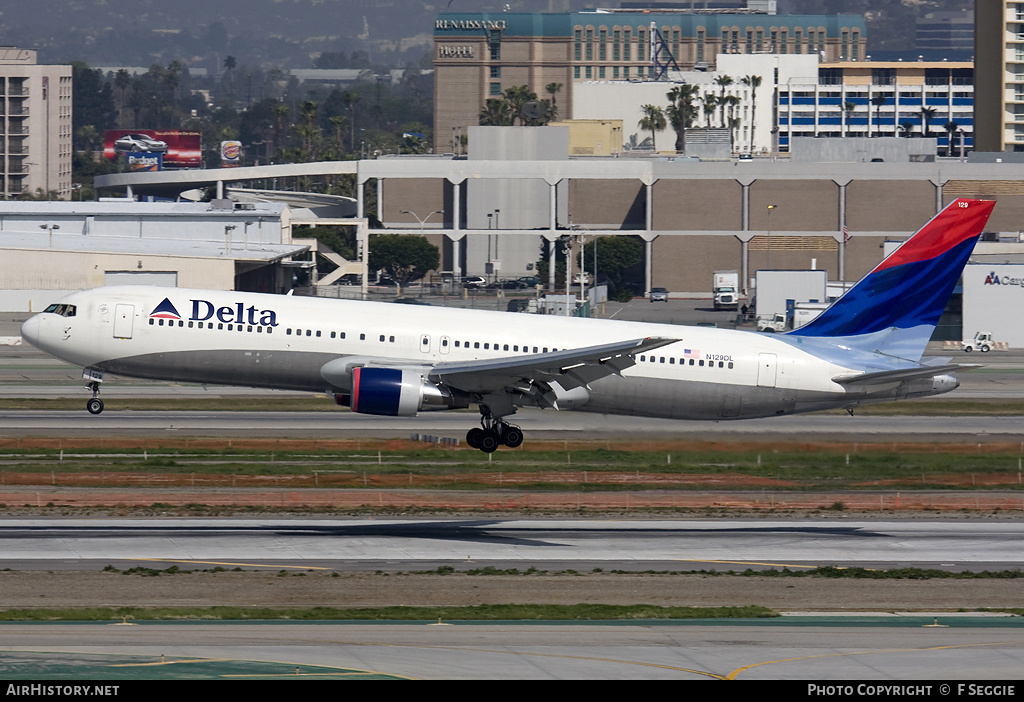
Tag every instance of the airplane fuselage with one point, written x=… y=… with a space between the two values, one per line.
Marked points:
x=283 y=342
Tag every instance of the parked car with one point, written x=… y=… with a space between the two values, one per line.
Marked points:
x=138 y=143
x=659 y=295
x=474 y=281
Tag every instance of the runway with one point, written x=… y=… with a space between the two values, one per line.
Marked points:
x=421 y=544
x=536 y=424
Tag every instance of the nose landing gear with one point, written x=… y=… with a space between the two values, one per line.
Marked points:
x=95 y=404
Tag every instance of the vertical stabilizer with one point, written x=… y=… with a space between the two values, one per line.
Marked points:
x=894 y=308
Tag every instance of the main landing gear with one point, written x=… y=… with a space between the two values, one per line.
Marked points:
x=493 y=433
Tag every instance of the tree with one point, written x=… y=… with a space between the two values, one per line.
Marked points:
x=927 y=113
x=653 y=121
x=952 y=128
x=878 y=101
x=848 y=108
x=907 y=128
x=616 y=256
x=754 y=82
x=681 y=111
x=710 y=101
x=723 y=82
x=404 y=257
x=552 y=89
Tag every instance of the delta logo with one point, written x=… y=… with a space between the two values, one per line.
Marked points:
x=204 y=310
x=165 y=310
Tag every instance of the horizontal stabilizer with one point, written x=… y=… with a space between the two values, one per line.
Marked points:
x=901 y=374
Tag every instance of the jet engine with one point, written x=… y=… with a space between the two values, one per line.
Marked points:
x=395 y=392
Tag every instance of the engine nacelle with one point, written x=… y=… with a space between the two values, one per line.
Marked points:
x=398 y=393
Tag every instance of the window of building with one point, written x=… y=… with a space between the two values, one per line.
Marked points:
x=578 y=44
x=495 y=89
x=602 y=45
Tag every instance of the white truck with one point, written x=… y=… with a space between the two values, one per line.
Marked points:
x=981 y=341
x=771 y=322
x=726 y=289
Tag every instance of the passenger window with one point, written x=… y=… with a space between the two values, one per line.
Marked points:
x=392 y=339
x=318 y=333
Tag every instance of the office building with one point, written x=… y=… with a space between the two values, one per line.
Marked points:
x=35 y=125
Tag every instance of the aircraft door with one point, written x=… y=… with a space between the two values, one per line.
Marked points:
x=767 y=369
x=124 y=316
x=425 y=343
x=446 y=344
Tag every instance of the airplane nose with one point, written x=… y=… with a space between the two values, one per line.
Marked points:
x=30 y=330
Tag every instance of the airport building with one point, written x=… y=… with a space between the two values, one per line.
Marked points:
x=48 y=249
x=35 y=125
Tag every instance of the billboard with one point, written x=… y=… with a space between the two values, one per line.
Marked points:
x=230 y=154
x=178 y=149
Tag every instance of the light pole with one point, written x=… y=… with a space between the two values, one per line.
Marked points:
x=421 y=221
x=49 y=228
x=770 y=208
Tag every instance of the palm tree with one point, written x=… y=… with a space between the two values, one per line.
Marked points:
x=848 y=108
x=926 y=117
x=710 y=105
x=723 y=82
x=653 y=120
x=878 y=101
x=907 y=128
x=552 y=89
x=681 y=111
x=351 y=98
x=952 y=128
x=754 y=82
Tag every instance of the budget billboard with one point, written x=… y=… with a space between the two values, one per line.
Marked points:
x=178 y=149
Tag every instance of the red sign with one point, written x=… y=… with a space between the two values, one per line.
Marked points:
x=179 y=149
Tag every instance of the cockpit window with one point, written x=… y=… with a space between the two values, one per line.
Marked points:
x=62 y=310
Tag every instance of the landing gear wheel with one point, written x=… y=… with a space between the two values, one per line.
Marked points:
x=473 y=437
x=512 y=437
x=489 y=442
x=95 y=405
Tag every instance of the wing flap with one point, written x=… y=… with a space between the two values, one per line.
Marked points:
x=569 y=367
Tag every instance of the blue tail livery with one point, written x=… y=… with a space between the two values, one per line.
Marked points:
x=894 y=308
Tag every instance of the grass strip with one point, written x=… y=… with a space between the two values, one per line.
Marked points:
x=511 y=612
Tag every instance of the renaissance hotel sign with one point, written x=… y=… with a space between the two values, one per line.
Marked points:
x=443 y=25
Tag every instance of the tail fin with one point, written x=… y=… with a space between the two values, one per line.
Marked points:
x=894 y=308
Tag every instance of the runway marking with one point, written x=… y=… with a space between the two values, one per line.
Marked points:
x=738 y=671
x=705 y=673
x=228 y=563
x=174 y=662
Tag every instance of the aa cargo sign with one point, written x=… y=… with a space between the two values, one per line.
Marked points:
x=993 y=297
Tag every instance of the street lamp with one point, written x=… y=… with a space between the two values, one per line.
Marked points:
x=770 y=208
x=421 y=221
x=49 y=228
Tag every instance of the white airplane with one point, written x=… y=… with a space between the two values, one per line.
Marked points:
x=397 y=360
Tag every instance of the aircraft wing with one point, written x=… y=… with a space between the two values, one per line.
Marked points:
x=900 y=374
x=570 y=368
